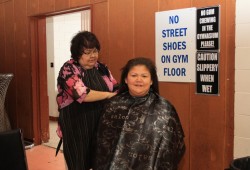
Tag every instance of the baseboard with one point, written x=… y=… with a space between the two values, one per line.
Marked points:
x=52 y=118
x=28 y=144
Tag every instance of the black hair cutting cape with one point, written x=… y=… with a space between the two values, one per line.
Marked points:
x=139 y=133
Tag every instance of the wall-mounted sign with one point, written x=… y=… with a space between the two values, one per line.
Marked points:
x=207 y=28
x=175 y=45
x=207 y=69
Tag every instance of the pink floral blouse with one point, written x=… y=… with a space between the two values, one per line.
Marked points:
x=70 y=85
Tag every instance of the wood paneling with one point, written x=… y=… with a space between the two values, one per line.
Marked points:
x=9 y=38
x=100 y=15
x=78 y=3
x=35 y=80
x=97 y=1
x=9 y=64
x=61 y=5
x=121 y=33
x=3 y=1
x=2 y=37
x=179 y=95
x=33 y=7
x=23 y=69
x=42 y=87
x=206 y=131
x=144 y=28
x=229 y=79
x=172 y=5
x=46 y=6
x=198 y=3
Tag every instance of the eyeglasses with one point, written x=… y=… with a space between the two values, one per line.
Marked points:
x=89 y=51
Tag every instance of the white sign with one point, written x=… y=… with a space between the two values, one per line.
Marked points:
x=176 y=45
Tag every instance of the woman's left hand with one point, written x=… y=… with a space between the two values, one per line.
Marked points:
x=59 y=131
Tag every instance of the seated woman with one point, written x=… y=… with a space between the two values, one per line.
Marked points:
x=139 y=129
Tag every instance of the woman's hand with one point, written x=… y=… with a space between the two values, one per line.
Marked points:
x=111 y=94
x=59 y=131
x=93 y=95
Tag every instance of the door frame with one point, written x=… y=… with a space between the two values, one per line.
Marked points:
x=39 y=80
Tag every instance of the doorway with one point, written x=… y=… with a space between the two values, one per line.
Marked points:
x=59 y=31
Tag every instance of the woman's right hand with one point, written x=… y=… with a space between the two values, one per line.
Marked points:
x=111 y=94
x=94 y=95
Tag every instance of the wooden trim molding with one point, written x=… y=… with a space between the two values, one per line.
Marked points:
x=52 y=118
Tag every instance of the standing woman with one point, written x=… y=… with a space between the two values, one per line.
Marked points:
x=83 y=85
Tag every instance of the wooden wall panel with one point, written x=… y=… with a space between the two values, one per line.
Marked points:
x=172 y=5
x=23 y=69
x=100 y=15
x=9 y=62
x=62 y=4
x=46 y=6
x=230 y=79
x=121 y=33
x=77 y=3
x=97 y=1
x=32 y=7
x=2 y=38
x=207 y=130
x=42 y=71
x=35 y=80
x=9 y=37
x=144 y=28
x=179 y=95
x=198 y=3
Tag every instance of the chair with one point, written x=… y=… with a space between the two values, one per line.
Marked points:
x=4 y=84
x=12 y=152
x=240 y=163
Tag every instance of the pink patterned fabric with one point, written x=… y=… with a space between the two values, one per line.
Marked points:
x=70 y=85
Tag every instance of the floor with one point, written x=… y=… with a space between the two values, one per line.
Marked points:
x=42 y=157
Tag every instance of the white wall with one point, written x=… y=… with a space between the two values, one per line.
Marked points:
x=242 y=80
x=59 y=31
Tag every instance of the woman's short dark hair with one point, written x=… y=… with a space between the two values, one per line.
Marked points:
x=83 y=40
x=139 y=61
